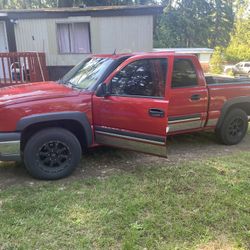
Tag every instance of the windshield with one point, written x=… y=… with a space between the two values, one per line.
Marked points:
x=87 y=73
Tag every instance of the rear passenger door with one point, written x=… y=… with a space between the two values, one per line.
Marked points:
x=188 y=101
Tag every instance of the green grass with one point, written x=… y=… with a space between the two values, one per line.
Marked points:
x=195 y=205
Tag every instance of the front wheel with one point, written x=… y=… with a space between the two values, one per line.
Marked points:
x=233 y=128
x=52 y=154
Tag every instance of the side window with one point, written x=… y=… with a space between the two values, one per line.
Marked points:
x=184 y=74
x=145 y=77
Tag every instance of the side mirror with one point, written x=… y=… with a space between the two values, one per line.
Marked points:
x=102 y=90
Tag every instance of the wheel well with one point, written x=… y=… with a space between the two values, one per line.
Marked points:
x=73 y=126
x=245 y=106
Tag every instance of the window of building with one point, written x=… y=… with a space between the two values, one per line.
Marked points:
x=73 y=38
x=184 y=74
x=141 y=78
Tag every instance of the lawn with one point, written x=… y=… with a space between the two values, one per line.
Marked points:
x=201 y=204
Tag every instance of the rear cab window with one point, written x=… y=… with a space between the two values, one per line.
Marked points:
x=184 y=74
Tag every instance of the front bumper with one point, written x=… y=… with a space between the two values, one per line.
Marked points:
x=10 y=146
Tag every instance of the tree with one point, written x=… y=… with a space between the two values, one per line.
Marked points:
x=239 y=46
x=222 y=22
x=199 y=23
x=184 y=24
x=216 y=61
x=18 y=4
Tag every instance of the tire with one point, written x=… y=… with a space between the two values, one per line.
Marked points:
x=233 y=128
x=52 y=154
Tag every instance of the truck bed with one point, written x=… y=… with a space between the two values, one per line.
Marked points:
x=226 y=89
x=223 y=80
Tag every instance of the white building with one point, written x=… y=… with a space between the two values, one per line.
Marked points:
x=204 y=54
x=68 y=35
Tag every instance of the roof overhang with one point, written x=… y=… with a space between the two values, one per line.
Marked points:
x=87 y=11
x=186 y=50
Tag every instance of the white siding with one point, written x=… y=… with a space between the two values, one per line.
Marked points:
x=134 y=33
x=205 y=58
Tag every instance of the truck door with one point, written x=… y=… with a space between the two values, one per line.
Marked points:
x=188 y=103
x=134 y=114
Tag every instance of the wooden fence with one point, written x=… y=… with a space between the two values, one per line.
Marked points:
x=22 y=67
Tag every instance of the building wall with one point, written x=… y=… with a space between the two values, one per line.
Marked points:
x=204 y=60
x=133 y=33
x=125 y=33
x=205 y=57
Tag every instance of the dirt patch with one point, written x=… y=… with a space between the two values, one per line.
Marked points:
x=222 y=243
x=102 y=162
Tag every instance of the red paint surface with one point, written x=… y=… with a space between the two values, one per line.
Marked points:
x=127 y=113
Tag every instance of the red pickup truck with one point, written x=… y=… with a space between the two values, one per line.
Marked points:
x=131 y=101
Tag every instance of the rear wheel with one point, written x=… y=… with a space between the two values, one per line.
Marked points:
x=52 y=154
x=233 y=128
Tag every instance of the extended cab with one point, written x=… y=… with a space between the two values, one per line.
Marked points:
x=131 y=101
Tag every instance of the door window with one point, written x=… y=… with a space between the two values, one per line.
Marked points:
x=184 y=74
x=145 y=77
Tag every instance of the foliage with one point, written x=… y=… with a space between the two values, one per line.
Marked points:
x=24 y=4
x=199 y=23
x=216 y=61
x=184 y=24
x=239 y=46
x=193 y=205
x=222 y=20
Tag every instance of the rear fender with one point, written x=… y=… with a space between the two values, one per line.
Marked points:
x=242 y=102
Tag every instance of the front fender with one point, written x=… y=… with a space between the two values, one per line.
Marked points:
x=80 y=117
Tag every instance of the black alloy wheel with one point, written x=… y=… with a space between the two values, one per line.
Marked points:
x=236 y=127
x=52 y=153
x=233 y=128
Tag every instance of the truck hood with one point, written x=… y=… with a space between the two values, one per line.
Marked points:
x=34 y=92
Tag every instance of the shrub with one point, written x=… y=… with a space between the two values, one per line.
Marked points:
x=216 y=61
